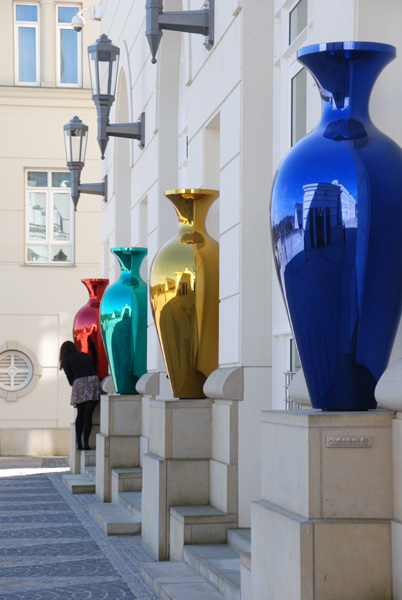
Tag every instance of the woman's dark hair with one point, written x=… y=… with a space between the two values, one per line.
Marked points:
x=65 y=349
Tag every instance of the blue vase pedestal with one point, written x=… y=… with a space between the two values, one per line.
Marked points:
x=118 y=442
x=322 y=528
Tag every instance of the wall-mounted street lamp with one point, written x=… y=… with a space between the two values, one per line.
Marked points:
x=75 y=139
x=189 y=21
x=103 y=66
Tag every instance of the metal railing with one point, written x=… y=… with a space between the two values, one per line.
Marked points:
x=289 y=403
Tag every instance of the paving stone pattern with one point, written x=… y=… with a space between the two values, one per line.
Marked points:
x=51 y=549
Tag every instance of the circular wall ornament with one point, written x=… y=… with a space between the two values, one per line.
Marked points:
x=19 y=370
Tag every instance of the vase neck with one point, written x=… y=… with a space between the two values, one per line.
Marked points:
x=345 y=73
x=95 y=287
x=192 y=208
x=130 y=259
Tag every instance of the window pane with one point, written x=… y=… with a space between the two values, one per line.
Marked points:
x=62 y=180
x=61 y=217
x=37 y=179
x=62 y=254
x=66 y=13
x=37 y=254
x=68 y=56
x=27 y=54
x=37 y=216
x=26 y=13
x=299 y=106
x=297 y=20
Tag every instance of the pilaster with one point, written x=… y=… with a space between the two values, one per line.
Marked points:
x=117 y=444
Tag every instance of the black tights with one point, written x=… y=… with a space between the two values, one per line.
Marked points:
x=83 y=422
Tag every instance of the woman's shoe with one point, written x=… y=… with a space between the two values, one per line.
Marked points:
x=86 y=447
x=79 y=446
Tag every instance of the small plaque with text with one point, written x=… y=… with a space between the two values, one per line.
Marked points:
x=348 y=441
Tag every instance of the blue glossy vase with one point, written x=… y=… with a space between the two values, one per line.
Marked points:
x=123 y=321
x=336 y=217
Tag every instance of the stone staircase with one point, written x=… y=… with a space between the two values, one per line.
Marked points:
x=208 y=571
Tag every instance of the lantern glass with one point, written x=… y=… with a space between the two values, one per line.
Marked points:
x=75 y=139
x=103 y=66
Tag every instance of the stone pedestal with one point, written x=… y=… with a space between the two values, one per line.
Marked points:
x=322 y=529
x=176 y=467
x=117 y=444
x=75 y=455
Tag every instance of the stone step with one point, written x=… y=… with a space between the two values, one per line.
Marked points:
x=198 y=525
x=219 y=565
x=240 y=540
x=131 y=501
x=87 y=458
x=90 y=472
x=79 y=484
x=113 y=519
x=126 y=480
x=177 y=581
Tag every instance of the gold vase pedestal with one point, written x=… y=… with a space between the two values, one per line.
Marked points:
x=184 y=293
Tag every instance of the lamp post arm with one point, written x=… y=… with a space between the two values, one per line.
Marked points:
x=129 y=130
x=190 y=21
x=94 y=188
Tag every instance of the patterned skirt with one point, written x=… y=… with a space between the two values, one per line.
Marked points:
x=84 y=389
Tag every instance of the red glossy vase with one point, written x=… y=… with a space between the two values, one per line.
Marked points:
x=86 y=329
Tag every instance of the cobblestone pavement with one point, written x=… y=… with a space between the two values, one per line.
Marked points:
x=51 y=549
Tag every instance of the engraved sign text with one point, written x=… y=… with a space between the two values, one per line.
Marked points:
x=348 y=441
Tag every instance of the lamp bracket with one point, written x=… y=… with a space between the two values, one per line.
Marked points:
x=134 y=131
x=190 y=21
x=99 y=189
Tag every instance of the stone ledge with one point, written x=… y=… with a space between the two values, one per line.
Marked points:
x=148 y=384
x=200 y=514
x=225 y=384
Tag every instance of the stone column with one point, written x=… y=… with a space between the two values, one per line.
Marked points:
x=176 y=467
x=322 y=529
x=48 y=43
x=117 y=444
x=388 y=394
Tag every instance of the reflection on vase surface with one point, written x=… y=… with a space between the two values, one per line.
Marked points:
x=123 y=319
x=86 y=328
x=184 y=292
x=335 y=217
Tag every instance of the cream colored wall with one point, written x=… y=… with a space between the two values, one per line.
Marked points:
x=38 y=303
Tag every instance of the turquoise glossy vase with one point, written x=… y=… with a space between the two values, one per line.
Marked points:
x=123 y=321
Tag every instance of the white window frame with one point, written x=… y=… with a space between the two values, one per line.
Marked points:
x=294 y=69
x=27 y=24
x=59 y=27
x=291 y=9
x=48 y=241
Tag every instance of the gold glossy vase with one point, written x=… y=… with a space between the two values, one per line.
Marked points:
x=184 y=292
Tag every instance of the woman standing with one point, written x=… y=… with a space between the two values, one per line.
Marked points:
x=86 y=391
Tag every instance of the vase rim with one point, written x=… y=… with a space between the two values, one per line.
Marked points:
x=188 y=191
x=342 y=46
x=130 y=249
x=95 y=280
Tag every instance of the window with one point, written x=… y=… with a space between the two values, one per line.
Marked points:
x=69 y=59
x=297 y=20
x=27 y=44
x=16 y=371
x=298 y=106
x=50 y=218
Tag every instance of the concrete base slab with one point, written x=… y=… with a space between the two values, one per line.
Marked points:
x=219 y=564
x=177 y=581
x=131 y=501
x=240 y=540
x=114 y=519
x=79 y=484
